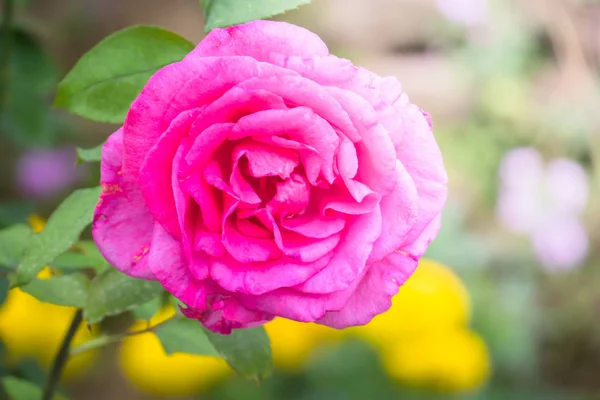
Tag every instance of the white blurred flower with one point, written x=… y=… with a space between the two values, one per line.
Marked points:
x=545 y=201
x=464 y=12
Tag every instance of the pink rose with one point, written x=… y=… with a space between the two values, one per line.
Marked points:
x=262 y=176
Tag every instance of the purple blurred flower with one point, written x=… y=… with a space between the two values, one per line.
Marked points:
x=545 y=202
x=561 y=244
x=468 y=13
x=42 y=173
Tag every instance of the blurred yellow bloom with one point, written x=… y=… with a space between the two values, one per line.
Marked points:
x=453 y=360
x=145 y=363
x=36 y=222
x=293 y=342
x=433 y=298
x=32 y=329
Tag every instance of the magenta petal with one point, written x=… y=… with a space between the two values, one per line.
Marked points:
x=209 y=243
x=296 y=90
x=181 y=86
x=317 y=141
x=260 y=39
x=263 y=278
x=374 y=293
x=292 y=197
x=314 y=225
x=156 y=173
x=122 y=226
x=353 y=199
x=167 y=262
x=419 y=153
x=264 y=160
x=350 y=256
x=400 y=208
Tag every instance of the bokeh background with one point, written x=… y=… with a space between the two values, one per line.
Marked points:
x=510 y=306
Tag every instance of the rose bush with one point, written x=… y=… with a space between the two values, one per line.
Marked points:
x=262 y=176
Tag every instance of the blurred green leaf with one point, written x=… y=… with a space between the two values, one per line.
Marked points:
x=64 y=290
x=25 y=117
x=104 y=82
x=62 y=230
x=13 y=241
x=183 y=335
x=248 y=351
x=90 y=155
x=4 y=286
x=148 y=309
x=112 y=293
x=83 y=255
x=19 y=389
x=14 y=212
x=223 y=13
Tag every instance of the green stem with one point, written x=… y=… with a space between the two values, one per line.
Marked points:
x=109 y=339
x=60 y=360
x=6 y=42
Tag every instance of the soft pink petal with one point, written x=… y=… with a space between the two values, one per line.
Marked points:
x=156 y=173
x=400 y=211
x=360 y=200
x=350 y=256
x=292 y=197
x=263 y=278
x=122 y=226
x=313 y=225
x=374 y=293
x=300 y=125
x=299 y=91
x=260 y=39
x=167 y=262
x=264 y=160
x=191 y=83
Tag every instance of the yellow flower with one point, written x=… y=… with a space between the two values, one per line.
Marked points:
x=293 y=342
x=453 y=360
x=32 y=329
x=433 y=298
x=144 y=362
x=36 y=222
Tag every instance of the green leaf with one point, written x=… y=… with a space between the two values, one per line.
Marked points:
x=248 y=351
x=83 y=255
x=104 y=82
x=112 y=293
x=183 y=335
x=13 y=241
x=64 y=290
x=25 y=117
x=4 y=286
x=62 y=230
x=90 y=155
x=149 y=309
x=222 y=13
x=20 y=389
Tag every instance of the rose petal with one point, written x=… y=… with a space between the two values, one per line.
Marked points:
x=400 y=208
x=260 y=39
x=156 y=173
x=350 y=256
x=292 y=197
x=374 y=293
x=122 y=226
x=317 y=141
x=178 y=87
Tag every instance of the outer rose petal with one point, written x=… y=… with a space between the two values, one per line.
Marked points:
x=178 y=87
x=260 y=39
x=374 y=293
x=167 y=261
x=122 y=224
